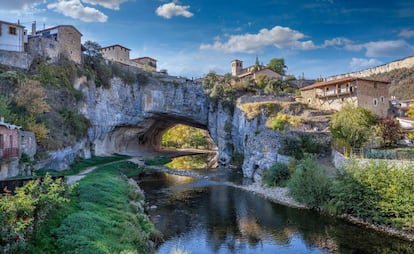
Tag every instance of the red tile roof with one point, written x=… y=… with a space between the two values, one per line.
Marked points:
x=340 y=81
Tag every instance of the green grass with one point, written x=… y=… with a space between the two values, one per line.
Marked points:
x=82 y=165
x=101 y=217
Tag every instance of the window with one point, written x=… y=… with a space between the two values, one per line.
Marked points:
x=12 y=30
x=1 y=141
x=375 y=101
x=11 y=141
x=382 y=99
x=375 y=86
x=309 y=100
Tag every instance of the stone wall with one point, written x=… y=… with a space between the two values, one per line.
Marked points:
x=46 y=48
x=20 y=60
x=399 y=64
x=340 y=161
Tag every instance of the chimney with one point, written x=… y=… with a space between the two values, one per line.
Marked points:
x=34 y=28
x=1 y=119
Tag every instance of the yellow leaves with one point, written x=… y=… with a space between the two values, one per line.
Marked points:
x=252 y=110
x=32 y=97
x=39 y=129
x=279 y=121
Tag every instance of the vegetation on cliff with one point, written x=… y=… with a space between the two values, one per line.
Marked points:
x=401 y=82
x=226 y=89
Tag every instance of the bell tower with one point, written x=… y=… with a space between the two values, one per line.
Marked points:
x=236 y=67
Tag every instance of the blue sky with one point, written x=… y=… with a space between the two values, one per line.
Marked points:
x=317 y=38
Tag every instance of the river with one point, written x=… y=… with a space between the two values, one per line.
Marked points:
x=209 y=216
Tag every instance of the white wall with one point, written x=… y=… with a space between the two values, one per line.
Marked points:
x=11 y=42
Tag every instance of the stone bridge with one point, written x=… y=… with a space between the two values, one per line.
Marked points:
x=131 y=119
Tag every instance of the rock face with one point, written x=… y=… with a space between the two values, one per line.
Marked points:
x=131 y=119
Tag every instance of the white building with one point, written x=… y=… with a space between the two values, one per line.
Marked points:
x=12 y=36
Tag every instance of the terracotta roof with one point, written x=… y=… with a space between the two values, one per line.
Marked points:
x=340 y=81
x=253 y=72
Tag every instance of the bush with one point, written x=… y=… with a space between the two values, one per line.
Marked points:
x=277 y=175
x=299 y=146
x=376 y=192
x=309 y=183
x=22 y=213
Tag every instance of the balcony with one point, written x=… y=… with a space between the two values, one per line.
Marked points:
x=333 y=93
x=8 y=153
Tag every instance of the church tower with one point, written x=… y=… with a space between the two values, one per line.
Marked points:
x=236 y=67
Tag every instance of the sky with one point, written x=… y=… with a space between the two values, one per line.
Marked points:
x=190 y=38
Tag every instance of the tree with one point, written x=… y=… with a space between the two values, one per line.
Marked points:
x=5 y=107
x=93 y=52
x=32 y=97
x=389 y=131
x=351 y=126
x=278 y=65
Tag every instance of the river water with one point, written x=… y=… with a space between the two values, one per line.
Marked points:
x=208 y=216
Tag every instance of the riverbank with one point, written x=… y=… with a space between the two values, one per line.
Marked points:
x=106 y=215
x=280 y=195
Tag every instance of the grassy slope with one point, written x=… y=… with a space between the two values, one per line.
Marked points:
x=100 y=217
x=402 y=82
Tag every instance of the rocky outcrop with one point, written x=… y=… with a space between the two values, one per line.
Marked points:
x=132 y=118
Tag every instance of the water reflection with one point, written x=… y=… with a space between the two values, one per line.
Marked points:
x=207 y=217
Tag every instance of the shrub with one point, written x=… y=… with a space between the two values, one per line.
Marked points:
x=376 y=192
x=277 y=175
x=23 y=212
x=299 y=146
x=309 y=183
x=279 y=122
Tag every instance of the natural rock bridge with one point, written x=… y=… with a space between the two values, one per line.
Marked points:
x=131 y=119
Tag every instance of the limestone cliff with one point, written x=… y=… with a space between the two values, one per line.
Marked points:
x=131 y=118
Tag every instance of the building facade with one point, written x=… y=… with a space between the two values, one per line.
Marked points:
x=116 y=53
x=12 y=37
x=146 y=62
x=13 y=143
x=120 y=54
x=333 y=94
x=253 y=71
x=54 y=42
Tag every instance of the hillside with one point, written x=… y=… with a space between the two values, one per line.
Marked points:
x=402 y=82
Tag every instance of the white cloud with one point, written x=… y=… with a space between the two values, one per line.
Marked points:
x=339 y=41
x=20 y=4
x=75 y=9
x=280 y=37
x=109 y=4
x=363 y=63
x=406 y=33
x=388 y=48
x=172 y=9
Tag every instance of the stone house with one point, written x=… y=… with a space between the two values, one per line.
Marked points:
x=116 y=53
x=9 y=150
x=332 y=95
x=120 y=54
x=54 y=42
x=13 y=143
x=12 y=36
x=146 y=62
x=253 y=71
